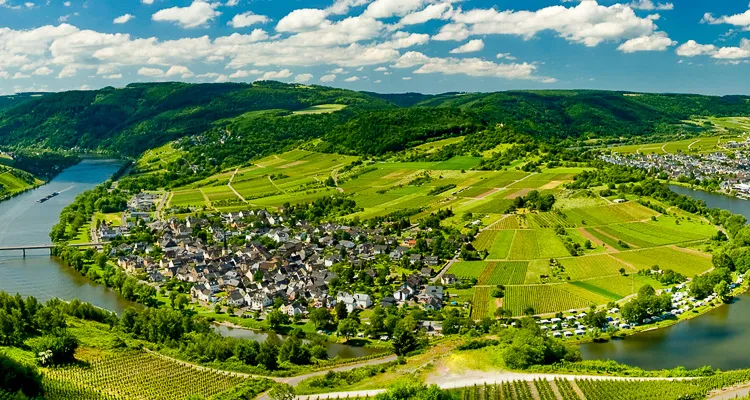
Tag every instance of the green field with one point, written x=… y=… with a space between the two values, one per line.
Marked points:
x=686 y=262
x=496 y=242
x=321 y=109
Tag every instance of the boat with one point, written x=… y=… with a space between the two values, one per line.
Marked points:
x=49 y=196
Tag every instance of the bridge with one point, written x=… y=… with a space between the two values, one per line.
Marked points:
x=44 y=246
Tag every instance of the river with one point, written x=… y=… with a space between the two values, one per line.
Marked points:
x=23 y=221
x=718 y=338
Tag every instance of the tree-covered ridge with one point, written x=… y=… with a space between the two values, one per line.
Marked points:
x=141 y=116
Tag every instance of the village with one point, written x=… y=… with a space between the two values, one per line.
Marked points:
x=254 y=261
x=733 y=170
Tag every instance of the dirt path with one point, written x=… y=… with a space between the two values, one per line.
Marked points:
x=690 y=146
x=578 y=390
x=632 y=246
x=276 y=186
x=205 y=198
x=730 y=393
x=479 y=378
x=596 y=240
x=236 y=193
x=691 y=251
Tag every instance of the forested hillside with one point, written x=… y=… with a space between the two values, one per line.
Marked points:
x=235 y=122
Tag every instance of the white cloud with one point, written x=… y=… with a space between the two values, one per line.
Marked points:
x=338 y=71
x=302 y=78
x=283 y=74
x=470 y=47
x=429 y=13
x=113 y=76
x=406 y=78
x=328 y=78
x=123 y=19
x=302 y=20
x=148 y=2
x=240 y=74
x=691 y=48
x=506 y=56
x=587 y=23
x=659 y=41
x=381 y=69
x=340 y=7
x=469 y=66
x=402 y=40
x=197 y=14
x=232 y=3
x=649 y=5
x=66 y=4
x=247 y=19
x=352 y=79
x=181 y=71
x=151 y=72
x=741 y=20
x=67 y=72
x=377 y=81
x=43 y=71
x=390 y=8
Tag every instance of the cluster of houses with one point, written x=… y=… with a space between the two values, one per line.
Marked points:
x=293 y=274
x=733 y=171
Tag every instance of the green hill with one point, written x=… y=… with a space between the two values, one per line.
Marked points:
x=255 y=119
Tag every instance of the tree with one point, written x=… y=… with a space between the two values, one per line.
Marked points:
x=268 y=355
x=348 y=327
x=181 y=301
x=321 y=318
x=722 y=291
x=294 y=351
x=340 y=310
x=276 y=319
x=405 y=339
x=282 y=391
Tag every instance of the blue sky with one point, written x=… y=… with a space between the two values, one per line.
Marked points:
x=428 y=46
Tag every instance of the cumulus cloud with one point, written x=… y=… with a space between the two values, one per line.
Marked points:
x=43 y=71
x=649 y=5
x=303 y=19
x=429 y=13
x=587 y=23
x=197 y=14
x=302 y=78
x=659 y=41
x=123 y=19
x=691 y=48
x=470 y=47
x=242 y=73
x=113 y=76
x=343 y=6
x=179 y=70
x=247 y=19
x=328 y=78
x=352 y=79
x=283 y=74
x=402 y=40
x=741 y=20
x=390 y=8
x=151 y=72
x=469 y=66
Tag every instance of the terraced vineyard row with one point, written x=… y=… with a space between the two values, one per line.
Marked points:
x=542 y=299
x=549 y=220
x=504 y=273
x=481 y=303
x=135 y=375
x=516 y=390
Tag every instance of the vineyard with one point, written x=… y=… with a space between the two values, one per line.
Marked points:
x=593 y=266
x=516 y=390
x=565 y=388
x=481 y=303
x=504 y=273
x=542 y=298
x=509 y=222
x=134 y=375
x=549 y=220
x=686 y=263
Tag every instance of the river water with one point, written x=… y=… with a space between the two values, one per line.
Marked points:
x=23 y=221
x=718 y=338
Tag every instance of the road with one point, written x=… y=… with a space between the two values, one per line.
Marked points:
x=480 y=378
